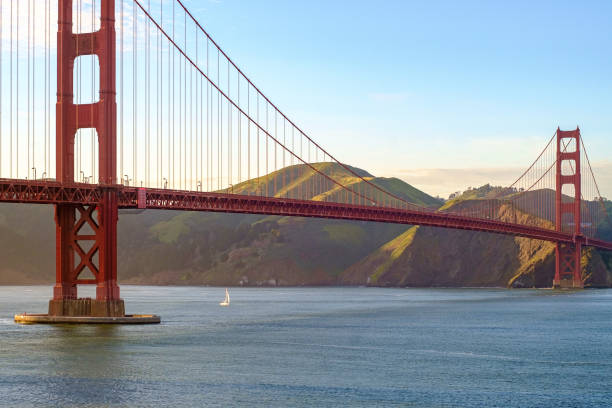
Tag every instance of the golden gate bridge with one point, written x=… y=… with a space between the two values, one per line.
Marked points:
x=152 y=114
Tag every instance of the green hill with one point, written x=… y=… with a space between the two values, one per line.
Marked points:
x=426 y=256
x=293 y=182
x=166 y=247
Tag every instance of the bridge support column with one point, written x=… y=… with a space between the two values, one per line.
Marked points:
x=568 y=270
x=87 y=236
x=108 y=302
x=65 y=287
x=86 y=241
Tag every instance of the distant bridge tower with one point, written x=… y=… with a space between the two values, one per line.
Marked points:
x=86 y=237
x=568 y=272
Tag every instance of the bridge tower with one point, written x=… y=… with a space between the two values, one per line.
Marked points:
x=86 y=237
x=568 y=271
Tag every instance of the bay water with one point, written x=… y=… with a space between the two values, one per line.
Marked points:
x=305 y=347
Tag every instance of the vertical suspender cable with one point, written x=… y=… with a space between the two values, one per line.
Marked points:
x=201 y=113
x=267 y=149
x=160 y=96
x=30 y=99
x=169 y=105
x=229 y=131
x=292 y=142
x=203 y=171
x=211 y=106
x=184 y=122
x=134 y=89
x=17 y=95
x=258 y=137
x=1 y=60
x=211 y=103
x=208 y=124
x=46 y=99
x=313 y=175
x=219 y=130
x=276 y=137
x=249 y=131
x=93 y=97
x=173 y=75
x=29 y=16
x=121 y=87
x=11 y=97
x=275 y=149
x=148 y=96
x=33 y=90
x=239 y=131
x=186 y=110
x=78 y=93
x=197 y=149
x=190 y=149
x=180 y=122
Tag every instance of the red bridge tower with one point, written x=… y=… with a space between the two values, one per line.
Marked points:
x=78 y=247
x=568 y=271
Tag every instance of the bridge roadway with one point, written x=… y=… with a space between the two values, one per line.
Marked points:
x=51 y=192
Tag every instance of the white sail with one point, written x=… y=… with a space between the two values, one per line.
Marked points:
x=226 y=301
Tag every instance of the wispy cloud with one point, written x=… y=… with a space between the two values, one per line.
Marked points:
x=26 y=26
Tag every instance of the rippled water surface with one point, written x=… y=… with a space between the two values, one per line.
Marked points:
x=317 y=347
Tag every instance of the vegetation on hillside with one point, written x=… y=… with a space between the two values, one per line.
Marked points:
x=426 y=256
x=166 y=247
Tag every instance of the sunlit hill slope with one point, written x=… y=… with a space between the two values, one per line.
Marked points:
x=189 y=248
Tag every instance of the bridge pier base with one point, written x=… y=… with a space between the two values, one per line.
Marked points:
x=567 y=284
x=568 y=270
x=86 y=307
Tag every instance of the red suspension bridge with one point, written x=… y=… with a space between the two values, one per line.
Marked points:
x=152 y=113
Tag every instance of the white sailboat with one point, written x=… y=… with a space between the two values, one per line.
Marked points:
x=226 y=301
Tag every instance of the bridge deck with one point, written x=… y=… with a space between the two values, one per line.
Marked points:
x=50 y=192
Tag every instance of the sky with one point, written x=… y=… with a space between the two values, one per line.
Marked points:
x=445 y=95
x=442 y=94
